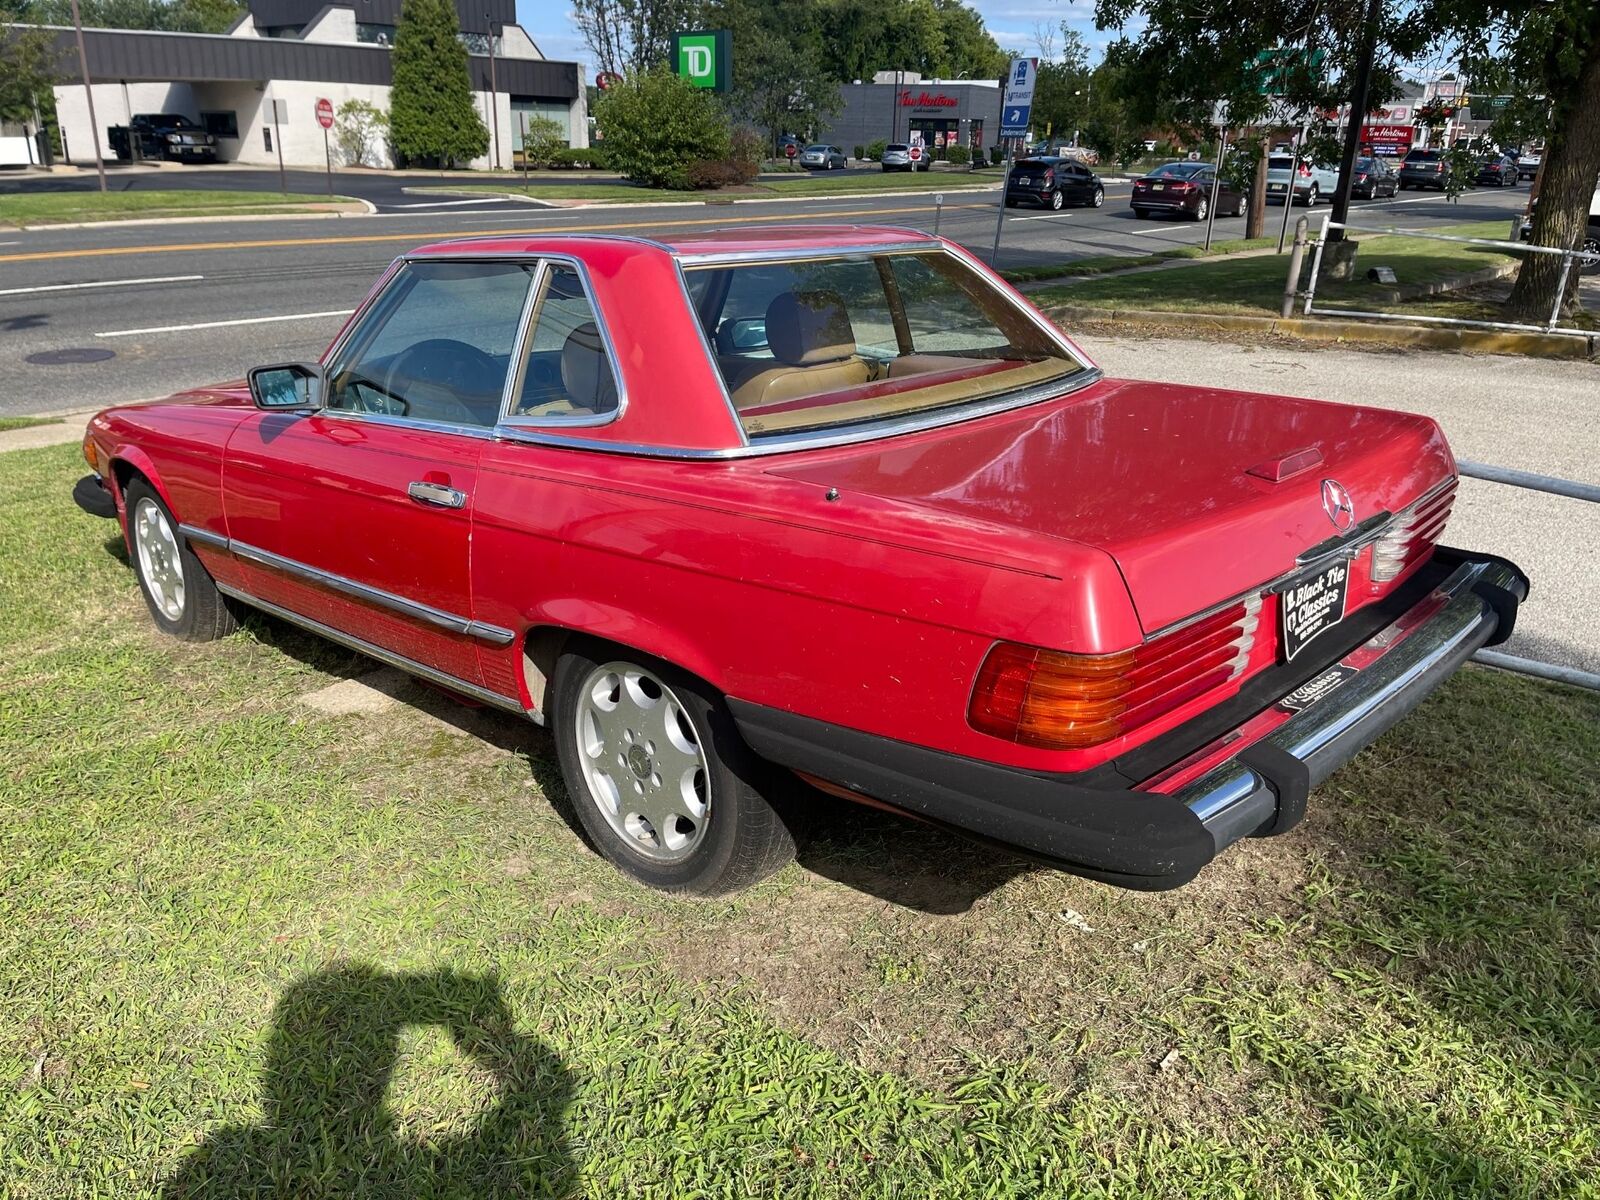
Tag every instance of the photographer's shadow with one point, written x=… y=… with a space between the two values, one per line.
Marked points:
x=327 y=1129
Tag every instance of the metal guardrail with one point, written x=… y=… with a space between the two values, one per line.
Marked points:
x=1569 y=259
x=1534 y=482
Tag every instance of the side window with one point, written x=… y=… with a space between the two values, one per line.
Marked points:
x=436 y=346
x=567 y=372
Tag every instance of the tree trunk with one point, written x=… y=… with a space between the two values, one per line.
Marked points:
x=1255 y=221
x=1571 y=166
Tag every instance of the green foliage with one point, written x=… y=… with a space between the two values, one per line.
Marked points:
x=27 y=72
x=656 y=125
x=959 y=155
x=782 y=82
x=359 y=127
x=594 y=156
x=860 y=152
x=1064 y=91
x=432 y=118
x=633 y=35
x=875 y=149
x=170 y=16
x=543 y=141
x=943 y=38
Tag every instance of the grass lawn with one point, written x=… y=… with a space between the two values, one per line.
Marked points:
x=800 y=185
x=1101 y=264
x=46 y=208
x=7 y=424
x=1254 y=286
x=247 y=948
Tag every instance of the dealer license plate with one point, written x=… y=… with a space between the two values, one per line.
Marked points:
x=1311 y=605
x=1158 y=187
x=1277 y=187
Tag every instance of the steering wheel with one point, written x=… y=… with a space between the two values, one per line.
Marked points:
x=438 y=377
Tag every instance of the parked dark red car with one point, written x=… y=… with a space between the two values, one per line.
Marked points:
x=828 y=502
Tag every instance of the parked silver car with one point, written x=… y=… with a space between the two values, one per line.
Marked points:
x=898 y=156
x=1312 y=181
x=823 y=158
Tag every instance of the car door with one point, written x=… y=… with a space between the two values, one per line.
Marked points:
x=358 y=516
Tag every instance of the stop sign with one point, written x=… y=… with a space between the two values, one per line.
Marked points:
x=325 y=114
x=790 y=150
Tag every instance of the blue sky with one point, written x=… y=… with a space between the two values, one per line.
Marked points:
x=1012 y=22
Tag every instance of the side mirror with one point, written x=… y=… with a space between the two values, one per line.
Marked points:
x=748 y=333
x=287 y=387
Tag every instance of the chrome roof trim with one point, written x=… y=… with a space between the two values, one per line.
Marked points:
x=707 y=258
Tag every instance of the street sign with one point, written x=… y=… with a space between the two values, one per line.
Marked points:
x=607 y=80
x=790 y=150
x=1273 y=67
x=704 y=58
x=325 y=119
x=1017 y=103
x=325 y=113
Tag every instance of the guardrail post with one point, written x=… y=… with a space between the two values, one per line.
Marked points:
x=1316 y=263
x=1291 y=285
x=1561 y=292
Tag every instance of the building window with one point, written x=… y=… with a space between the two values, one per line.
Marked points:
x=266 y=136
x=374 y=35
x=282 y=31
x=221 y=124
x=525 y=110
x=478 y=43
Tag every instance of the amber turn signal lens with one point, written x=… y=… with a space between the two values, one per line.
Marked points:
x=88 y=454
x=1048 y=699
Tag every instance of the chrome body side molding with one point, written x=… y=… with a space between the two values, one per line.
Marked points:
x=495 y=635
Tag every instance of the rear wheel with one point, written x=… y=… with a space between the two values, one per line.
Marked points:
x=1243 y=208
x=179 y=591
x=1139 y=214
x=1202 y=210
x=661 y=781
x=1057 y=200
x=1098 y=200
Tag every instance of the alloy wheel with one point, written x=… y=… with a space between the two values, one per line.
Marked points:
x=1056 y=200
x=642 y=761
x=1099 y=197
x=160 y=560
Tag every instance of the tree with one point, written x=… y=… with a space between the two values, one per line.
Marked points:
x=632 y=35
x=27 y=72
x=358 y=128
x=1063 y=91
x=170 y=16
x=656 y=125
x=781 y=83
x=432 y=118
x=542 y=142
x=945 y=38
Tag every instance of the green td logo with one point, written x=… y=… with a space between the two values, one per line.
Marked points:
x=704 y=58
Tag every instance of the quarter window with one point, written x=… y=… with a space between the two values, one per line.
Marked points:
x=567 y=374
x=437 y=346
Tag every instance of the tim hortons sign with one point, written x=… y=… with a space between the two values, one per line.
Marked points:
x=927 y=100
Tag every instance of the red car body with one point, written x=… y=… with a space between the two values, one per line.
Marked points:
x=845 y=599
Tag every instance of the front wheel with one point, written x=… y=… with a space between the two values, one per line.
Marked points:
x=661 y=781
x=179 y=591
x=1244 y=207
x=1099 y=198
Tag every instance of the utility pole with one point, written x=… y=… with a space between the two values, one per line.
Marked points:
x=88 y=92
x=1357 y=120
x=494 y=96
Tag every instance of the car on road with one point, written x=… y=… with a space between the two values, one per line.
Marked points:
x=1312 y=181
x=1498 y=170
x=1528 y=164
x=1590 y=245
x=823 y=158
x=1424 y=169
x=737 y=510
x=1185 y=188
x=1373 y=179
x=1051 y=181
x=170 y=136
x=905 y=156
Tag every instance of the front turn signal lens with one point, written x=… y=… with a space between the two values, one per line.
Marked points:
x=88 y=454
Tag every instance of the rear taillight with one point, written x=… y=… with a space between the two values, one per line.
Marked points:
x=1057 y=701
x=1183 y=187
x=1413 y=534
x=1305 y=170
x=1361 y=178
x=1049 y=176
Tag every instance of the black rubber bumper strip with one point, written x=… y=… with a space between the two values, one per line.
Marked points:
x=1139 y=840
x=90 y=494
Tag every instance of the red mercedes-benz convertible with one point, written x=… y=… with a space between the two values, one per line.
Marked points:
x=826 y=502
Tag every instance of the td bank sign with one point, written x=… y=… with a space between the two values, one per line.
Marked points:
x=704 y=58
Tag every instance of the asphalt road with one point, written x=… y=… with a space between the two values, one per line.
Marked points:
x=139 y=310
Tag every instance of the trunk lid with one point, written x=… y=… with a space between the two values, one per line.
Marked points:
x=1157 y=476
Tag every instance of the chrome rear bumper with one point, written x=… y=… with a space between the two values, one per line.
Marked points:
x=1395 y=670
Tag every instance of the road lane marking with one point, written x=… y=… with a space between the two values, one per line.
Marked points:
x=464 y=200
x=422 y=236
x=1044 y=216
x=72 y=287
x=340 y=312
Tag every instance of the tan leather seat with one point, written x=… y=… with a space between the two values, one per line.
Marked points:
x=810 y=336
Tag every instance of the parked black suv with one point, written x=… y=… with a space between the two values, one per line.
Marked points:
x=163 y=135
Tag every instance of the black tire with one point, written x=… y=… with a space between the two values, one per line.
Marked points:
x=1202 y=210
x=1140 y=214
x=1099 y=198
x=1057 y=200
x=1010 y=203
x=742 y=838
x=203 y=614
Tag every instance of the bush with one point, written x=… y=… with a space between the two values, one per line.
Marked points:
x=748 y=147
x=996 y=155
x=656 y=125
x=544 y=143
x=860 y=154
x=357 y=131
x=875 y=150
x=959 y=155
x=716 y=173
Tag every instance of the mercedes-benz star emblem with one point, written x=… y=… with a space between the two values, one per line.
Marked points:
x=1337 y=504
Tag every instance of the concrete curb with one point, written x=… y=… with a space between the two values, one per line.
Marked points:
x=36 y=436
x=591 y=205
x=1419 y=337
x=366 y=209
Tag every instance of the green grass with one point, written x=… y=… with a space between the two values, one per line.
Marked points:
x=7 y=424
x=800 y=185
x=1254 y=286
x=1102 y=264
x=249 y=949
x=47 y=208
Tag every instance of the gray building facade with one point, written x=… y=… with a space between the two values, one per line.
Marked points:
x=904 y=107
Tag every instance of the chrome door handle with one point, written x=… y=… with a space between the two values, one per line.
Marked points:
x=436 y=494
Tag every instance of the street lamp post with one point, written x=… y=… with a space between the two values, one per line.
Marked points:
x=494 y=95
x=88 y=92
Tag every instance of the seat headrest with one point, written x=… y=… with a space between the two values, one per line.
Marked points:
x=585 y=370
x=806 y=328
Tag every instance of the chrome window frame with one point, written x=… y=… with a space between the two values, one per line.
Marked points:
x=466 y=428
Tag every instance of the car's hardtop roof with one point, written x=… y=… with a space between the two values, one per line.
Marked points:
x=750 y=239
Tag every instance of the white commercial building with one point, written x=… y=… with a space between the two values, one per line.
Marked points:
x=297 y=52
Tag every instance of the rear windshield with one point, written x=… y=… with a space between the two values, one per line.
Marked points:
x=1423 y=156
x=900 y=146
x=1178 y=170
x=817 y=149
x=821 y=343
